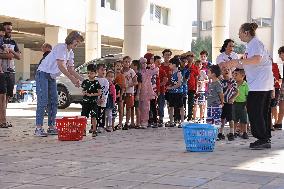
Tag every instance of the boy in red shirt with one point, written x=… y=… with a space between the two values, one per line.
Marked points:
x=192 y=82
x=167 y=53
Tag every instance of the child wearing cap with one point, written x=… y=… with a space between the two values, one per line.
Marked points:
x=146 y=91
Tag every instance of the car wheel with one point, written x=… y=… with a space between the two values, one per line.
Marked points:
x=63 y=97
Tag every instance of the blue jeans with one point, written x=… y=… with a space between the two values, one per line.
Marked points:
x=46 y=90
x=161 y=106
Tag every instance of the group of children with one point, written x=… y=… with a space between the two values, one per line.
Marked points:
x=143 y=87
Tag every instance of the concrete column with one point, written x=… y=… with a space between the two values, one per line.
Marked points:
x=20 y=64
x=136 y=15
x=93 y=35
x=54 y=35
x=278 y=29
x=220 y=28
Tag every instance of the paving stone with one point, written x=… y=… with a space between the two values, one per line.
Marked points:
x=245 y=178
x=160 y=186
x=63 y=181
x=34 y=186
x=180 y=181
x=150 y=158
x=218 y=184
x=115 y=184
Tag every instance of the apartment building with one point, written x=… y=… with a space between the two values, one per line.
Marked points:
x=268 y=14
x=131 y=27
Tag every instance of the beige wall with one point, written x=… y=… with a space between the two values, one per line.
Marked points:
x=261 y=8
x=207 y=10
x=239 y=15
x=238 y=12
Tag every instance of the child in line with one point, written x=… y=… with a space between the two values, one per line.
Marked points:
x=200 y=96
x=131 y=81
x=146 y=92
x=91 y=91
x=215 y=98
x=161 y=90
x=136 y=67
x=101 y=70
x=239 y=106
x=185 y=75
x=155 y=81
x=230 y=90
x=110 y=102
x=120 y=86
x=175 y=90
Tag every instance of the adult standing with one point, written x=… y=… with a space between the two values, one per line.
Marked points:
x=8 y=76
x=227 y=52
x=258 y=69
x=46 y=49
x=59 y=60
x=278 y=123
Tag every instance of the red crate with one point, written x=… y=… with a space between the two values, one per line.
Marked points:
x=71 y=128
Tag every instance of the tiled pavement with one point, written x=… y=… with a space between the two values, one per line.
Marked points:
x=138 y=159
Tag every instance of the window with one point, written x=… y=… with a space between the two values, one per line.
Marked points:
x=206 y=25
x=109 y=4
x=159 y=14
x=263 y=22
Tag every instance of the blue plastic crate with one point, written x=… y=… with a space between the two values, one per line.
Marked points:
x=199 y=137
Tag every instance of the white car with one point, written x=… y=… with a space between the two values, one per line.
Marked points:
x=68 y=93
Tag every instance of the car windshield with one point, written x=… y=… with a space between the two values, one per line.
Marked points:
x=108 y=62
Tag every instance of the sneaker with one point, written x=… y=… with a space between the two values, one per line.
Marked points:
x=109 y=129
x=221 y=136
x=39 y=132
x=231 y=136
x=245 y=136
x=94 y=134
x=125 y=126
x=91 y=130
x=9 y=124
x=4 y=125
x=144 y=126
x=100 y=130
x=52 y=131
x=155 y=125
x=236 y=135
x=260 y=145
x=277 y=126
x=179 y=125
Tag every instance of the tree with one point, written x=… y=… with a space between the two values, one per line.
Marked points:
x=239 y=48
x=201 y=44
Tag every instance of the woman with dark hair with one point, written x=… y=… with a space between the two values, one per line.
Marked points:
x=59 y=60
x=227 y=52
x=258 y=69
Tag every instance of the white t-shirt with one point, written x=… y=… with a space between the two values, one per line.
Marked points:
x=59 y=52
x=201 y=81
x=259 y=76
x=105 y=89
x=129 y=75
x=223 y=57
